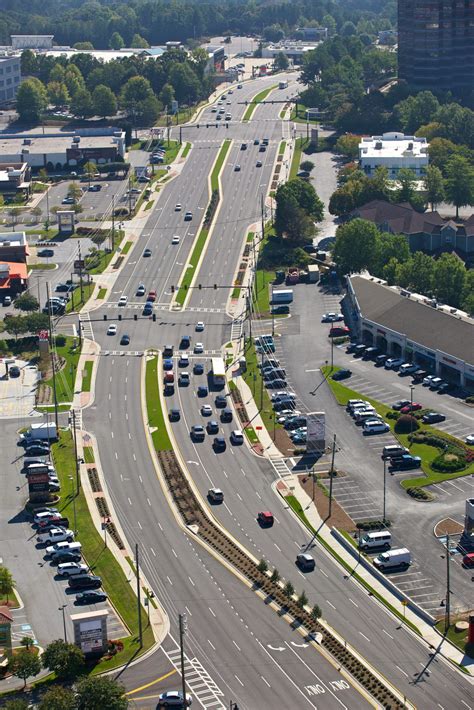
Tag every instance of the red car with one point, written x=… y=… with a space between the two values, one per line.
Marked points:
x=265 y=518
x=411 y=408
x=151 y=296
x=338 y=330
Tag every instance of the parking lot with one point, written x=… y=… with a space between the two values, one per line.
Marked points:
x=17 y=394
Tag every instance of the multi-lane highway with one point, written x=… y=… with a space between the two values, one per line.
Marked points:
x=231 y=633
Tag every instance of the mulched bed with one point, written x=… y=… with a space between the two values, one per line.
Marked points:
x=448 y=526
x=339 y=518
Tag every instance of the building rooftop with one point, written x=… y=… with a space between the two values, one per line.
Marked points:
x=393 y=145
x=431 y=327
x=403 y=219
x=39 y=143
x=13 y=239
x=12 y=270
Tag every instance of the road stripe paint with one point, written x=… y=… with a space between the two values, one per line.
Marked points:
x=116 y=456
x=328 y=602
x=237 y=678
x=323 y=572
x=140 y=478
x=211 y=644
x=191 y=581
x=386 y=632
x=188 y=611
x=265 y=681
x=174 y=553
x=153 y=682
x=367 y=639
x=130 y=502
x=211 y=611
x=236 y=645
x=153 y=552
x=160 y=526
x=112 y=434
x=353 y=602
x=149 y=502
x=139 y=525
x=278 y=548
x=402 y=671
x=169 y=580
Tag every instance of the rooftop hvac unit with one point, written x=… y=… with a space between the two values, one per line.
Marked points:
x=410 y=146
x=378 y=145
x=26 y=151
x=404 y=292
x=76 y=139
x=27 y=141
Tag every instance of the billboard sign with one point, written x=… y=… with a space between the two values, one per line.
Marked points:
x=316 y=432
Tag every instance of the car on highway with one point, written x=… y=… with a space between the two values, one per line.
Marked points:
x=198 y=368
x=174 y=415
x=220 y=401
x=412 y=407
x=237 y=437
x=341 y=374
x=400 y=404
x=305 y=562
x=183 y=360
x=125 y=339
x=393 y=363
x=91 y=596
x=148 y=308
x=199 y=326
x=173 y=699
x=215 y=495
x=202 y=391
x=237 y=168
x=147 y=252
x=123 y=300
x=176 y=239
x=213 y=109
x=167 y=364
x=433 y=418
x=177 y=207
x=227 y=415
x=265 y=518
x=197 y=432
x=151 y=296
x=188 y=216
x=85 y=581
x=112 y=329
x=141 y=290
x=198 y=348
x=184 y=379
x=67 y=569
x=212 y=427
x=332 y=318
x=206 y=410
x=219 y=444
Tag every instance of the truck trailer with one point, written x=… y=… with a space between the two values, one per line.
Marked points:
x=47 y=432
x=282 y=296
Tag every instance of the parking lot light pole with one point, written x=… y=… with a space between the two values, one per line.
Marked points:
x=384 y=489
x=71 y=478
x=61 y=608
x=412 y=387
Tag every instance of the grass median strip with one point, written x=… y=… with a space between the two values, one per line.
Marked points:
x=99 y=558
x=69 y=357
x=204 y=233
x=156 y=421
x=87 y=376
x=127 y=247
x=257 y=100
x=186 y=150
x=300 y=143
x=282 y=147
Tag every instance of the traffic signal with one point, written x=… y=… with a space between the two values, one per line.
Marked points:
x=172 y=289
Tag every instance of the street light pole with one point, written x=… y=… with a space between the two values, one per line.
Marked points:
x=71 y=478
x=412 y=387
x=61 y=608
x=447 y=620
x=384 y=488
x=182 y=621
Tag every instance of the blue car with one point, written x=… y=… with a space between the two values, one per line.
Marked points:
x=167 y=364
x=198 y=369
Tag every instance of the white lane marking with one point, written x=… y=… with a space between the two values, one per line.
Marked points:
x=130 y=502
x=153 y=552
x=211 y=644
x=286 y=675
x=353 y=602
x=139 y=525
x=149 y=502
x=316 y=676
x=386 y=632
x=402 y=671
x=328 y=602
x=191 y=581
x=211 y=611
x=367 y=639
x=237 y=678
x=174 y=553
x=169 y=580
x=236 y=646
x=265 y=681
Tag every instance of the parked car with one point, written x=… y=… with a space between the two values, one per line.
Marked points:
x=68 y=569
x=400 y=404
x=374 y=426
x=332 y=318
x=412 y=407
x=61 y=547
x=55 y=535
x=91 y=597
x=393 y=363
x=66 y=556
x=37 y=450
x=341 y=375
x=85 y=581
x=436 y=383
x=405 y=462
x=408 y=368
x=428 y=379
x=433 y=418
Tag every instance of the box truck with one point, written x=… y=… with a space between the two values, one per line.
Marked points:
x=282 y=296
x=48 y=432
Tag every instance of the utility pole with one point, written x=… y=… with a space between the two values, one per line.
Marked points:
x=332 y=351
x=74 y=435
x=331 y=475
x=129 y=197
x=61 y=608
x=261 y=383
x=53 y=362
x=182 y=629
x=447 y=621
x=139 y=604
x=273 y=315
x=384 y=489
x=262 y=203
x=113 y=223
x=81 y=286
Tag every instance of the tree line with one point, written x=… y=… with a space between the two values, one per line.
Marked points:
x=141 y=87
x=361 y=246
x=157 y=21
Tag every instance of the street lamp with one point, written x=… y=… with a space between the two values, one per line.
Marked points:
x=412 y=387
x=71 y=478
x=61 y=608
x=384 y=489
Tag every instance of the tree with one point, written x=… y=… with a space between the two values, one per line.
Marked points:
x=83 y=45
x=31 y=100
x=348 y=145
x=139 y=42
x=448 y=279
x=306 y=197
x=15 y=325
x=73 y=79
x=167 y=96
x=74 y=191
x=281 y=62
x=35 y=322
x=7 y=583
x=262 y=565
x=57 y=73
x=459 y=182
x=357 y=246
x=316 y=612
x=65 y=659
x=307 y=165
x=302 y=600
x=26 y=302
x=291 y=220
x=25 y=664
x=406 y=179
x=273 y=33
x=104 y=101
x=81 y=104
x=275 y=576
x=90 y=170
x=58 y=698
x=58 y=94
x=185 y=82
x=16 y=704
x=434 y=186
x=136 y=90
x=417 y=273
x=288 y=590
x=29 y=63
x=26 y=642
x=116 y=41
x=99 y=692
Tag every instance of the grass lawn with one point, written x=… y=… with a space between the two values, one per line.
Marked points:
x=99 y=557
x=50 y=408
x=426 y=453
x=282 y=147
x=87 y=376
x=189 y=274
x=102 y=293
x=301 y=116
x=219 y=163
x=89 y=454
x=101 y=262
x=161 y=440
x=261 y=298
x=149 y=205
x=253 y=379
x=65 y=378
x=236 y=292
x=186 y=150
x=41 y=267
x=458 y=639
x=171 y=152
x=300 y=143
x=256 y=100
x=75 y=303
x=126 y=248
x=251 y=435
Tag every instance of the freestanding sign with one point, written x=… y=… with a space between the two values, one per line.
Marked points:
x=90 y=632
x=316 y=432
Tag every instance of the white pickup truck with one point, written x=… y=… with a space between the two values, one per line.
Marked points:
x=55 y=535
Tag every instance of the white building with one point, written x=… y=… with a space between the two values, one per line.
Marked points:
x=295 y=51
x=394 y=151
x=10 y=76
x=32 y=41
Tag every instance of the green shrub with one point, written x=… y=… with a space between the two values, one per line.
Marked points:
x=373 y=524
x=393 y=415
x=426 y=437
x=418 y=493
x=60 y=341
x=470 y=399
x=448 y=465
x=405 y=424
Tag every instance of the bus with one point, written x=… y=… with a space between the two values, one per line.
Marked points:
x=218 y=372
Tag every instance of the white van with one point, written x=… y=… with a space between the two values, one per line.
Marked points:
x=371 y=540
x=392 y=559
x=375 y=426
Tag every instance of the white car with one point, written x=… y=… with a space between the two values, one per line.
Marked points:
x=173 y=699
x=44 y=517
x=183 y=360
x=206 y=410
x=112 y=329
x=177 y=207
x=63 y=547
x=175 y=239
x=374 y=426
x=67 y=569
x=55 y=535
x=198 y=348
x=237 y=437
x=199 y=326
x=393 y=363
x=428 y=380
x=123 y=300
x=469 y=439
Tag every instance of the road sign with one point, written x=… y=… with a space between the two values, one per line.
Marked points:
x=78 y=264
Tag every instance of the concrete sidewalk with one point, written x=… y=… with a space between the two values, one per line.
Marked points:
x=290 y=486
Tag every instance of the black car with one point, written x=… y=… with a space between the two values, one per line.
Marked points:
x=37 y=450
x=262 y=149
x=125 y=340
x=28 y=443
x=276 y=384
x=433 y=417
x=174 y=415
x=351 y=347
x=46 y=252
x=72 y=556
x=85 y=581
x=220 y=401
x=147 y=252
x=168 y=351
x=202 y=391
x=227 y=415
x=280 y=309
x=91 y=597
x=341 y=375
x=400 y=404
x=219 y=444
x=198 y=368
x=148 y=309
x=212 y=427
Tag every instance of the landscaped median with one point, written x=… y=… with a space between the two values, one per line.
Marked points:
x=257 y=100
x=430 y=444
x=199 y=244
x=99 y=557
